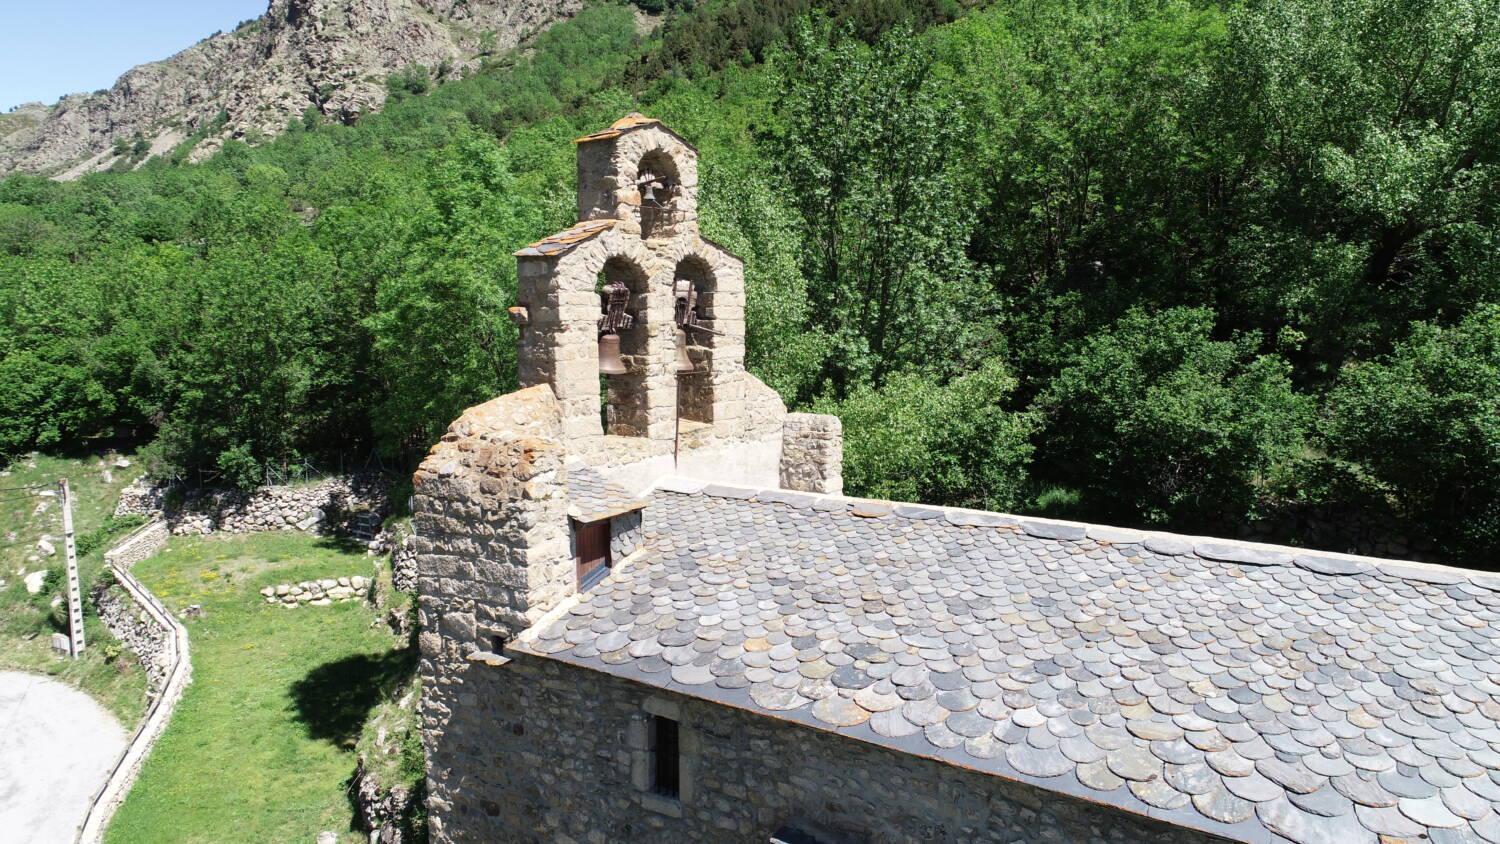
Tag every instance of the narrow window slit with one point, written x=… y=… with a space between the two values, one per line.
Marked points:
x=666 y=775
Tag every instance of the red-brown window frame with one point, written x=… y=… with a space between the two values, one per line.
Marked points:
x=591 y=554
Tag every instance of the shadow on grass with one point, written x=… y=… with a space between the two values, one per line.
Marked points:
x=346 y=544
x=334 y=699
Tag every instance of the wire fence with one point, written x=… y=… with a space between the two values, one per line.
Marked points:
x=290 y=473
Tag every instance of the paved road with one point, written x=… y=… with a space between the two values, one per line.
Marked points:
x=56 y=748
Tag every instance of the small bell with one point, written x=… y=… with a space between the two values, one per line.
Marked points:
x=609 y=354
x=648 y=194
x=684 y=363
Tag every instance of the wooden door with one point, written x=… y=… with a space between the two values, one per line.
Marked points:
x=592 y=543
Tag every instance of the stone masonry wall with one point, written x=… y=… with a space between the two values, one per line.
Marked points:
x=317 y=506
x=812 y=453
x=404 y=564
x=139 y=545
x=543 y=751
x=319 y=593
x=489 y=514
x=142 y=497
x=129 y=622
x=136 y=630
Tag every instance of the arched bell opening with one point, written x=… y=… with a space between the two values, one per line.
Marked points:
x=693 y=291
x=623 y=360
x=660 y=187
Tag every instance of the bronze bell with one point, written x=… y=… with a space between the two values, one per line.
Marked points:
x=609 y=354
x=684 y=363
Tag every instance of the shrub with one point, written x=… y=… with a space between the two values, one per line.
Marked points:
x=1154 y=420
x=918 y=439
x=1423 y=423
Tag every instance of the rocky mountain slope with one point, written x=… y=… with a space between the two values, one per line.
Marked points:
x=331 y=55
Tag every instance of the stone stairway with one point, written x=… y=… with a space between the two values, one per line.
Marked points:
x=364 y=526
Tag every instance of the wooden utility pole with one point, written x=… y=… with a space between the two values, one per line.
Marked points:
x=75 y=599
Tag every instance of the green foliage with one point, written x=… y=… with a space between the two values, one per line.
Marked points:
x=1155 y=421
x=439 y=330
x=113 y=526
x=926 y=194
x=51 y=581
x=1369 y=130
x=1424 y=423
x=718 y=35
x=916 y=439
x=413 y=80
x=871 y=148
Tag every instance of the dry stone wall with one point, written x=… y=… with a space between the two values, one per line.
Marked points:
x=508 y=765
x=125 y=618
x=404 y=564
x=141 y=497
x=138 y=631
x=323 y=506
x=318 y=593
x=139 y=545
x=381 y=812
x=141 y=611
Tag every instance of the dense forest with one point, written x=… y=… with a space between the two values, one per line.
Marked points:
x=1140 y=261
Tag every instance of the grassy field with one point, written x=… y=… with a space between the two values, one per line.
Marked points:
x=27 y=621
x=262 y=743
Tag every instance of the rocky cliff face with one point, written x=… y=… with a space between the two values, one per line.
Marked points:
x=332 y=55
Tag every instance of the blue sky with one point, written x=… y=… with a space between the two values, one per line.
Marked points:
x=49 y=48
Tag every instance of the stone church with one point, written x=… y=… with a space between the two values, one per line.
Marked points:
x=649 y=614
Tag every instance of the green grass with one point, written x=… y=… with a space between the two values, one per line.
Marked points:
x=21 y=525
x=262 y=743
x=27 y=621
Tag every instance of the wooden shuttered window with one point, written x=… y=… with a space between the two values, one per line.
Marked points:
x=591 y=542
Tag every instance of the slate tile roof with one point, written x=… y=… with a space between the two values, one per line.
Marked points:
x=630 y=122
x=556 y=244
x=592 y=497
x=617 y=128
x=1252 y=693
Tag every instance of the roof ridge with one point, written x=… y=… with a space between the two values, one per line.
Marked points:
x=1220 y=549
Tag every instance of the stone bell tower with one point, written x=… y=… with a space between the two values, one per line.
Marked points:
x=637 y=232
x=535 y=496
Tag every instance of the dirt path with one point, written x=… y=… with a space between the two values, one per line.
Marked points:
x=56 y=748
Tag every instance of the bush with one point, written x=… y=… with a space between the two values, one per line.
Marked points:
x=1423 y=423
x=42 y=598
x=113 y=526
x=1153 y=420
x=917 y=439
x=414 y=80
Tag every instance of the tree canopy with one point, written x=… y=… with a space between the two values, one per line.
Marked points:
x=1156 y=262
